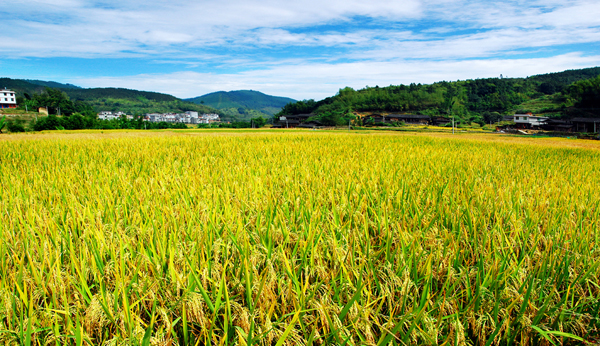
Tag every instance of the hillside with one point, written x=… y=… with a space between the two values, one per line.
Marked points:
x=480 y=100
x=243 y=103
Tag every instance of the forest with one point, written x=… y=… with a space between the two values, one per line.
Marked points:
x=480 y=100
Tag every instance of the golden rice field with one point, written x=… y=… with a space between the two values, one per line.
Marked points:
x=298 y=238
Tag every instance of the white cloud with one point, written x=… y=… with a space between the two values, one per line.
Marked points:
x=330 y=50
x=82 y=28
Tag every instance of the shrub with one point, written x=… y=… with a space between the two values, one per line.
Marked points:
x=16 y=126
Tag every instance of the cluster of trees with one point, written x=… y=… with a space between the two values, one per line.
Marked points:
x=56 y=101
x=481 y=100
x=551 y=83
x=585 y=93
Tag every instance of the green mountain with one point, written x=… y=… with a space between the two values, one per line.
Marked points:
x=243 y=103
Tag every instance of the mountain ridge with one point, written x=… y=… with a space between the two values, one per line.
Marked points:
x=243 y=101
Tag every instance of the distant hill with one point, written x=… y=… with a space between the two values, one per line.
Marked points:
x=92 y=94
x=110 y=99
x=243 y=103
x=20 y=86
x=30 y=86
x=55 y=85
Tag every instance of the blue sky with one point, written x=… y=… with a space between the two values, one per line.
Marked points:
x=302 y=49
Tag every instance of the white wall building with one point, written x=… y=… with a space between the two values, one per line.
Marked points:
x=186 y=118
x=107 y=115
x=8 y=99
x=529 y=120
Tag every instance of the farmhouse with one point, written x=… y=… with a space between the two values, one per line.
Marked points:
x=586 y=124
x=529 y=121
x=8 y=99
x=294 y=120
x=440 y=121
x=558 y=125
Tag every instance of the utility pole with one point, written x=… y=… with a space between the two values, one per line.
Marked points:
x=452 y=123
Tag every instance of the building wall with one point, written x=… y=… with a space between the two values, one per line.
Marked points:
x=8 y=99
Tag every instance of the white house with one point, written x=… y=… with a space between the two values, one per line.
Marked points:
x=107 y=116
x=8 y=99
x=529 y=120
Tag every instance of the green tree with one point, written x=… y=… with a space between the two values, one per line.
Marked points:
x=259 y=121
x=585 y=93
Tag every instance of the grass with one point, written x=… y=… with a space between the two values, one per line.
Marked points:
x=544 y=105
x=285 y=238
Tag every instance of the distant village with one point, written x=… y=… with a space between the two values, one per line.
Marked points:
x=188 y=117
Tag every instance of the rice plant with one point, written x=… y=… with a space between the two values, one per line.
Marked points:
x=216 y=238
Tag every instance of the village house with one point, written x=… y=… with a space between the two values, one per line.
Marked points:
x=208 y=118
x=106 y=115
x=558 y=125
x=529 y=121
x=296 y=120
x=8 y=99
